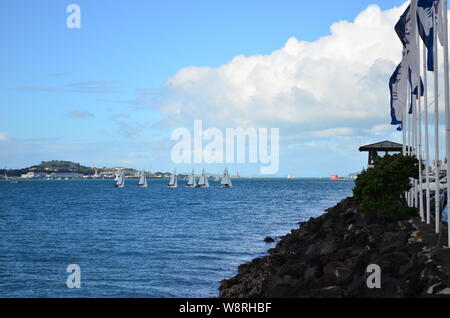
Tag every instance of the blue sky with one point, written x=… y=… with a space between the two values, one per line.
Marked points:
x=88 y=94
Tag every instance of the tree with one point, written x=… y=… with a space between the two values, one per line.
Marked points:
x=382 y=189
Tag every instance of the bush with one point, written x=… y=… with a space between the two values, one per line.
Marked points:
x=381 y=190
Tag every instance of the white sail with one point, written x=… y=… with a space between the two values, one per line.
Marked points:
x=238 y=175
x=6 y=176
x=191 y=181
x=120 y=183
x=226 y=179
x=203 y=181
x=173 y=183
x=142 y=180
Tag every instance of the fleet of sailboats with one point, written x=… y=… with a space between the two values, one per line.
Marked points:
x=225 y=180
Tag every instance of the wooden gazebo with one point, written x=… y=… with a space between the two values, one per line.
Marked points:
x=384 y=147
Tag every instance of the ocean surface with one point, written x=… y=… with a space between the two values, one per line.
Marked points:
x=153 y=242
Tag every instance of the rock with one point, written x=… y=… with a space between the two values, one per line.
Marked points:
x=327 y=247
x=393 y=262
x=312 y=250
x=328 y=257
x=392 y=241
x=328 y=292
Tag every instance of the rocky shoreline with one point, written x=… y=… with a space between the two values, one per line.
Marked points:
x=327 y=257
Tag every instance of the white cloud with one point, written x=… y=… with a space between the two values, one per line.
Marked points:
x=81 y=114
x=340 y=80
x=333 y=132
x=3 y=137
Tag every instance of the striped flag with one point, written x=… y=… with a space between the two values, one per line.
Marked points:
x=406 y=31
x=425 y=23
x=397 y=85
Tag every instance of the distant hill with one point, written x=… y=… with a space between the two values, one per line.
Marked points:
x=61 y=167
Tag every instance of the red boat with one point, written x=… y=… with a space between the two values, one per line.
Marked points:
x=336 y=177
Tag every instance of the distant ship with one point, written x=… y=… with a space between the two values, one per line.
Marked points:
x=173 y=183
x=291 y=177
x=191 y=181
x=120 y=183
x=142 y=180
x=335 y=177
x=226 y=179
x=203 y=181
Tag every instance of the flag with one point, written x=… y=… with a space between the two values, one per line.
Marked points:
x=425 y=23
x=415 y=85
x=406 y=31
x=439 y=7
x=398 y=86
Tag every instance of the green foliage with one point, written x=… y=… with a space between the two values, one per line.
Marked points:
x=62 y=166
x=381 y=189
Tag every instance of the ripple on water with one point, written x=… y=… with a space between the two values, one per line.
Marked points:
x=152 y=242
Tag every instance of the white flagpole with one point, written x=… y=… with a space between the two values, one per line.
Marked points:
x=407 y=137
x=408 y=115
x=414 y=100
x=437 y=180
x=419 y=115
x=447 y=102
x=404 y=124
x=427 y=143
x=410 y=143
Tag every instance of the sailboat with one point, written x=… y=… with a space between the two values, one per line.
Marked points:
x=203 y=181
x=173 y=183
x=120 y=183
x=226 y=179
x=142 y=180
x=6 y=176
x=217 y=178
x=191 y=181
x=238 y=175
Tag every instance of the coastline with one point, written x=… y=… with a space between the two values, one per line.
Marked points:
x=328 y=256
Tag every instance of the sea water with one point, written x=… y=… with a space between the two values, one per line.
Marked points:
x=145 y=242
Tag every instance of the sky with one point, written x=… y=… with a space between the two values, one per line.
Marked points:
x=111 y=92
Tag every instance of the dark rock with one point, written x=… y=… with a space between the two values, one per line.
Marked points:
x=268 y=239
x=392 y=241
x=280 y=288
x=328 y=257
x=327 y=247
x=328 y=292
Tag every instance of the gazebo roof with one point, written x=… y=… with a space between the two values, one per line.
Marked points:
x=383 y=146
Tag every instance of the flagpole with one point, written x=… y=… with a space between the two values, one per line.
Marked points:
x=419 y=115
x=411 y=145
x=437 y=180
x=415 y=152
x=404 y=131
x=408 y=136
x=427 y=142
x=447 y=102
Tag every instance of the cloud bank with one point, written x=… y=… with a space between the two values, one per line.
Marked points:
x=321 y=87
